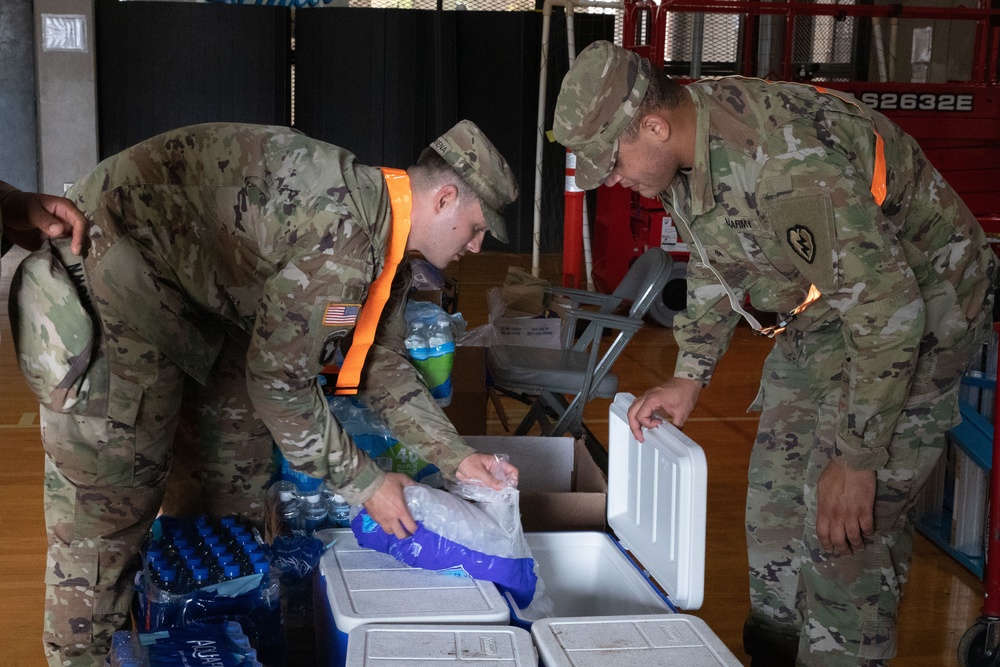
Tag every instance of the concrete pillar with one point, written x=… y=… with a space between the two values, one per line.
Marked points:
x=18 y=163
x=67 y=94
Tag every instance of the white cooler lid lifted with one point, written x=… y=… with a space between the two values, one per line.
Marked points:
x=657 y=496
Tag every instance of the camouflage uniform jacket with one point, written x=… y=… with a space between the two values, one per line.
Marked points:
x=277 y=237
x=780 y=197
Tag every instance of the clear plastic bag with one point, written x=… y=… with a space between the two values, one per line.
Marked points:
x=486 y=334
x=430 y=343
x=472 y=531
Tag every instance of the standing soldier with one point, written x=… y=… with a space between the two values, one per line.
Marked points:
x=228 y=263
x=819 y=209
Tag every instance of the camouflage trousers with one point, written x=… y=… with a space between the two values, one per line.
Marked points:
x=141 y=436
x=808 y=605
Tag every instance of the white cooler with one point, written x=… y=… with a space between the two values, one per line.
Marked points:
x=607 y=611
x=630 y=641
x=390 y=645
x=357 y=586
x=657 y=492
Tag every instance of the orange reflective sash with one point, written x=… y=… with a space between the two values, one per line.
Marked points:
x=349 y=377
x=878 y=187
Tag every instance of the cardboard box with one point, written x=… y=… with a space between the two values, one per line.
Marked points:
x=467 y=410
x=534 y=331
x=562 y=488
x=446 y=297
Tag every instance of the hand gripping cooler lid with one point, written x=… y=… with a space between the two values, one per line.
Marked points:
x=657 y=495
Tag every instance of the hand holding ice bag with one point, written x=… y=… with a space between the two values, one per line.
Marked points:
x=482 y=539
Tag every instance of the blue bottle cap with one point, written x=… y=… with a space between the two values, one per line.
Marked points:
x=231 y=571
x=218 y=549
x=261 y=567
x=211 y=539
x=225 y=558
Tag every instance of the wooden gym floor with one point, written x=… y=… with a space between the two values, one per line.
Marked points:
x=941 y=601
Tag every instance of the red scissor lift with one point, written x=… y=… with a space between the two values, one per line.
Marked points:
x=957 y=123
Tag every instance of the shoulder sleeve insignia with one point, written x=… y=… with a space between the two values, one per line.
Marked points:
x=802 y=242
x=341 y=314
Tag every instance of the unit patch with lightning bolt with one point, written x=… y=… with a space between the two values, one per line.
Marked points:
x=802 y=241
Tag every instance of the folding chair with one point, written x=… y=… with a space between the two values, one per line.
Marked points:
x=557 y=384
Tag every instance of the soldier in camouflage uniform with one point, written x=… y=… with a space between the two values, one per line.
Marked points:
x=780 y=187
x=227 y=263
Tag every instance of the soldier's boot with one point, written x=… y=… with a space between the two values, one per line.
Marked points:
x=769 y=646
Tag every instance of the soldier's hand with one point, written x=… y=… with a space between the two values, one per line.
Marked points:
x=29 y=218
x=845 y=513
x=488 y=470
x=675 y=399
x=388 y=506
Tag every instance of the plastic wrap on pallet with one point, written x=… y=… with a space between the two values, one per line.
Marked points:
x=197 y=570
x=221 y=644
x=376 y=440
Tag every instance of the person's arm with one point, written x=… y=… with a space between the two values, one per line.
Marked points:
x=397 y=394
x=289 y=346
x=28 y=218
x=703 y=331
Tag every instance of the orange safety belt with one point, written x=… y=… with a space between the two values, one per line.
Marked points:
x=349 y=377
x=878 y=187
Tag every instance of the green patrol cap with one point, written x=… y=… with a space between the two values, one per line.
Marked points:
x=483 y=169
x=598 y=99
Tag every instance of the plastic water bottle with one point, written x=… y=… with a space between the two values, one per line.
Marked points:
x=339 y=511
x=313 y=513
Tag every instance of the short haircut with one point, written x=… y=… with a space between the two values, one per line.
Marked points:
x=661 y=93
x=433 y=171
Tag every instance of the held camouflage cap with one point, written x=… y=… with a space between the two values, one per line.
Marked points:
x=483 y=169
x=597 y=100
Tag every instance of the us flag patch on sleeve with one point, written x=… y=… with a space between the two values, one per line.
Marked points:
x=341 y=314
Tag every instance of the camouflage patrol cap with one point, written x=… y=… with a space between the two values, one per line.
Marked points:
x=597 y=100
x=483 y=169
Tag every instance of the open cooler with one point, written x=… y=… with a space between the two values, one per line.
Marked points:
x=657 y=492
x=607 y=608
